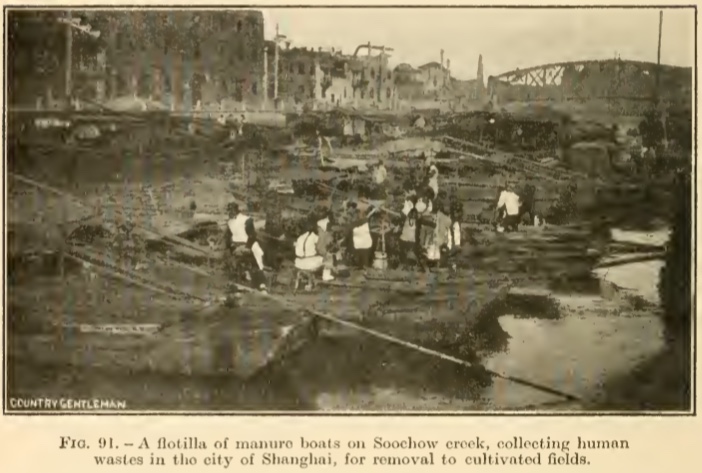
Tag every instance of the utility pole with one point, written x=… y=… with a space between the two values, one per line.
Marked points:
x=69 y=55
x=72 y=23
x=276 y=68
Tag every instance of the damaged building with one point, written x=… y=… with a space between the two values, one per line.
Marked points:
x=324 y=79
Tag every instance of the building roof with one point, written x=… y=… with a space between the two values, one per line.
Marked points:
x=404 y=67
x=431 y=65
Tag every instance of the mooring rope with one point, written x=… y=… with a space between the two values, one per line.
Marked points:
x=346 y=323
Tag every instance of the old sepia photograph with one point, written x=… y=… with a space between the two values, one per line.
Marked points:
x=349 y=210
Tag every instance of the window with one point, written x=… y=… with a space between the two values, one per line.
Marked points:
x=372 y=74
x=254 y=88
x=332 y=98
x=363 y=94
x=292 y=68
x=434 y=81
x=388 y=92
x=238 y=26
x=301 y=89
x=344 y=92
x=389 y=75
x=302 y=68
x=371 y=94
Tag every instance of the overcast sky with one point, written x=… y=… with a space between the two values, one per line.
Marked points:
x=507 y=39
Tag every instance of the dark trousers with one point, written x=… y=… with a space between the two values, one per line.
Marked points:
x=238 y=264
x=511 y=223
x=363 y=257
x=407 y=247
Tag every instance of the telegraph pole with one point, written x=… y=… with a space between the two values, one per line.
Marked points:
x=72 y=23
x=69 y=54
x=278 y=38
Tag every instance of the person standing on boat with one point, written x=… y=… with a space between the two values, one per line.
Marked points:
x=361 y=238
x=436 y=238
x=507 y=209
x=408 y=238
x=325 y=246
x=432 y=176
x=425 y=214
x=242 y=245
x=380 y=174
x=453 y=240
x=320 y=149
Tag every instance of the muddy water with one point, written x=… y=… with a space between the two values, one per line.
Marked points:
x=593 y=341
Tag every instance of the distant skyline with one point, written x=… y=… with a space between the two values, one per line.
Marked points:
x=507 y=39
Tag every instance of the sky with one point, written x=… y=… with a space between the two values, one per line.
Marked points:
x=507 y=39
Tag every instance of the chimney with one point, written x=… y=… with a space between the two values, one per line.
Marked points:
x=480 y=70
x=319 y=49
x=442 y=58
x=479 y=78
x=287 y=45
x=369 y=48
x=448 y=67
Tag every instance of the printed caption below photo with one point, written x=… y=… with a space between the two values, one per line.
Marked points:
x=305 y=452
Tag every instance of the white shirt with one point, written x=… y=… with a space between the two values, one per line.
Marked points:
x=258 y=254
x=456 y=229
x=237 y=226
x=380 y=174
x=362 y=239
x=323 y=224
x=407 y=207
x=510 y=201
x=424 y=207
x=434 y=180
x=306 y=245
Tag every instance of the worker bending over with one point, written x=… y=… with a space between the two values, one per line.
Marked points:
x=243 y=247
x=507 y=210
x=308 y=256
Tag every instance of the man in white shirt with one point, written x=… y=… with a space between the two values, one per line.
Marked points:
x=507 y=210
x=432 y=174
x=306 y=256
x=242 y=245
x=361 y=238
x=380 y=174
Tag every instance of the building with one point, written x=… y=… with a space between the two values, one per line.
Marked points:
x=178 y=58
x=324 y=79
x=408 y=82
x=373 y=79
